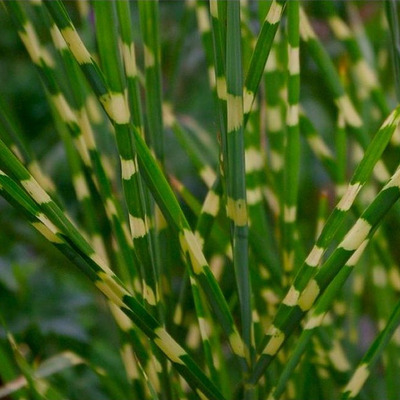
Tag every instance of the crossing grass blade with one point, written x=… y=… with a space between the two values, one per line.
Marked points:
x=364 y=369
x=85 y=258
x=299 y=298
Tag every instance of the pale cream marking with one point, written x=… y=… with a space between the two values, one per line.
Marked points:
x=43 y=180
x=339 y=28
x=102 y=264
x=47 y=58
x=348 y=199
x=168 y=346
x=237 y=344
x=168 y=115
x=93 y=109
x=274 y=119
x=123 y=321
x=289 y=214
x=306 y=31
x=211 y=76
x=36 y=191
x=201 y=395
x=288 y=261
x=111 y=289
x=349 y=112
x=214 y=8
x=294 y=60
x=314 y=322
x=254 y=160
x=46 y=232
x=128 y=168
x=82 y=190
x=148 y=294
x=235 y=112
x=380 y=172
x=357 y=380
x=178 y=315
x=338 y=357
x=64 y=109
x=149 y=59
x=394 y=278
x=190 y=245
x=17 y=153
x=353 y=260
x=315 y=256
x=200 y=239
x=366 y=74
x=308 y=295
x=357 y=234
x=276 y=160
x=160 y=221
x=277 y=337
x=394 y=181
x=254 y=196
x=248 y=98
x=138 y=227
x=211 y=204
x=292 y=116
x=76 y=46
x=392 y=119
x=221 y=88
x=237 y=211
x=217 y=263
x=379 y=276
x=205 y=328
x=274 y=13
x=358 y=284
x=272 y=62
x=116 y=106
x=396 y=336
x=271 y=200
x=203 y=20
x=31 y=42
x=129 y=361
x=319 y=146
x=128 y=55
x=208 y=175
x=291 y=297
x=110 y=207
x=58 y=40
x=340 y=307
x=395 y=139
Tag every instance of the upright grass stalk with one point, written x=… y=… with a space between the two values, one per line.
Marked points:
x=292 y=146
x=149 y=22
x=274 y=81
x=393 y=19
x=236 y=183
x=133 y=190
x=260 y=54
x=129 y=61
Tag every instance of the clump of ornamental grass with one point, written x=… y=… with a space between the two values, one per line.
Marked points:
x=230 y=210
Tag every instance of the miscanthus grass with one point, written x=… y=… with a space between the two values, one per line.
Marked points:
x=244 y=240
